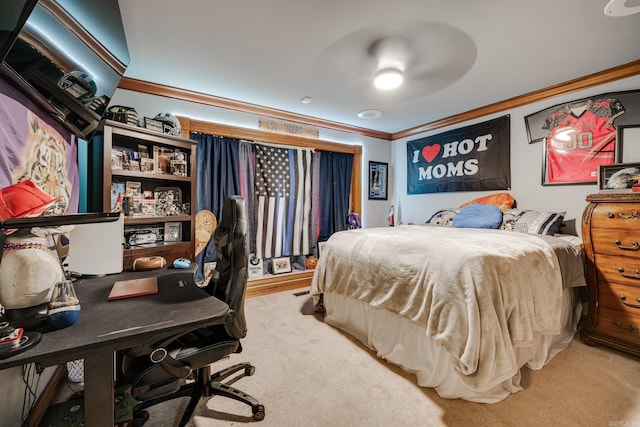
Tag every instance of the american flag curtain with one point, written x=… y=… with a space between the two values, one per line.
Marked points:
x=282 y=201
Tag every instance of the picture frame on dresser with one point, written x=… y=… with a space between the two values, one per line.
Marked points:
x=619 y=177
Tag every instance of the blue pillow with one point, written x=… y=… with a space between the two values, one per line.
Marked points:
x=478 y=216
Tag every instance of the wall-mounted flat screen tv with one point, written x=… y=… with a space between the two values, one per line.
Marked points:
x=69 y=56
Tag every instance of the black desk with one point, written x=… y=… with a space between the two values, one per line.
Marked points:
x=106 y=326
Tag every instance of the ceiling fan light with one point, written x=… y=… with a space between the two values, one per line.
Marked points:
x=388 y=78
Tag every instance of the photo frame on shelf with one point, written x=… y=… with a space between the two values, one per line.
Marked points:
x=143 y=150
x=133 y=189
x=619 y=178
x=168 y=201
x=281 y=265
x=172 y=232
x=179 y=167
x=118 y=191
x=116 y=159
x=148 y=207
x=146 y=165
x=378 y=177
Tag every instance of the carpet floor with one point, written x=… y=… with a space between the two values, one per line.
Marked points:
x=311 y=374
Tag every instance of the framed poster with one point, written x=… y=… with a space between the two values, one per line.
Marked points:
x=618 y=178
x=629 y=141
x=378 y=180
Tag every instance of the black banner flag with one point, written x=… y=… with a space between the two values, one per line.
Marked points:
x=472 y=158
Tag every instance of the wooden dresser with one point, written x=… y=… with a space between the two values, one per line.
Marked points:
x=611 y=234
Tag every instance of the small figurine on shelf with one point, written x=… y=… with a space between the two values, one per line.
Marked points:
x=390 y=216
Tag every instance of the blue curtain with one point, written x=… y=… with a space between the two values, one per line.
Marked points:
x=226 y=167
x=217 y=177
x=334 y=187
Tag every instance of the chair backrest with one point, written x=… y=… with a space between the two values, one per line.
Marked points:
x=229 y=281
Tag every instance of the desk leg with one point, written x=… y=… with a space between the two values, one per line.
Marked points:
x=98 y=389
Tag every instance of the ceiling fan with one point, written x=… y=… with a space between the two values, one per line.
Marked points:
x=621 y=7
x=428 y=55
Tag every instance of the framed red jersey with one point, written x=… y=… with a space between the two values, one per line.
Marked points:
x=581 y=137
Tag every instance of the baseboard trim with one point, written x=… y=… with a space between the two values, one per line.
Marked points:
x=274 y=284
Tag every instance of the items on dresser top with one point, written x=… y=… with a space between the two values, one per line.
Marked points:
x=611 y=233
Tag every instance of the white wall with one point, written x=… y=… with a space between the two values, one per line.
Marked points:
x=13 y=396
x=374 y=211
x=526 y=159
x=526 y=168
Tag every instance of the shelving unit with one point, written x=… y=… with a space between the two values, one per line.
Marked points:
x=121 y=135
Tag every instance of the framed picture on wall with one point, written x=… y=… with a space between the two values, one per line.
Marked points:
x=629 y=140
x=618 y=178
x=378 y=180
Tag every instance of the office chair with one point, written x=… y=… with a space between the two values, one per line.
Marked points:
x=158 y=369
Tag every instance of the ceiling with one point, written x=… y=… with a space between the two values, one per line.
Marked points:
x=461 y=54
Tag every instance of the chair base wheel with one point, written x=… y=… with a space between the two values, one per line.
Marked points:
x=258 y=413
x=140 y=418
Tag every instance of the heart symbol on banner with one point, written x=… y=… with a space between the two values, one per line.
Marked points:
x=430 y=152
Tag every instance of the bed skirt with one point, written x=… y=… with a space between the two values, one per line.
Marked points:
x=405 y=343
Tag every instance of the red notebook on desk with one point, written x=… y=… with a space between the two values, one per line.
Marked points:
x=133 y=288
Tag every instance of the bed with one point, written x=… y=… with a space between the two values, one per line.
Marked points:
x=464 y=309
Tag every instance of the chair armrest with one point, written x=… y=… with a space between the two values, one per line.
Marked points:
x=169 y=364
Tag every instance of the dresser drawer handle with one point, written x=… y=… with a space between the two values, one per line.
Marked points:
x=633 y=215
x=629 y=276
x=634 y=246
x=631 y=328
x=623 y=298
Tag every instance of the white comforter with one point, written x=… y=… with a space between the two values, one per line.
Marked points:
x=479 y=293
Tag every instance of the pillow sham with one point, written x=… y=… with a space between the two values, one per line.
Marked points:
x=534 y=222
x=478 y=216
x=443 y=217
x=509 y=217
x=502 y=200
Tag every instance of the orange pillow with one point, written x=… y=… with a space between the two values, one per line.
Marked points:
x=503 y=201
